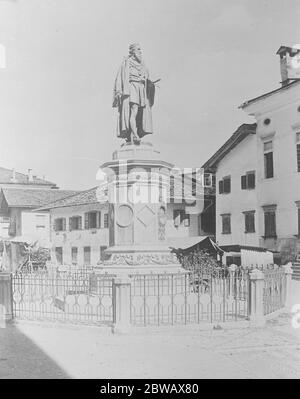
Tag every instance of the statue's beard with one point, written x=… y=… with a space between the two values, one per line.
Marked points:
x=137 y=58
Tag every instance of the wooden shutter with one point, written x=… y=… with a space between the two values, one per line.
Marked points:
x=243 y=182
x=227 y=185
x=55 y=225
x=70 y=223
x=106 y=220
x=79 y=222
x=221 y=187
x=64 y=224
x=226 y=224
x=298 y=157
x=98 y=220
x=249 y=222
x=270 y=224
x=86 y=221
x=251 y=180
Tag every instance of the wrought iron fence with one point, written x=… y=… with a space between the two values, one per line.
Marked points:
x=189 y=298
x=274 y=292
x=79 y=297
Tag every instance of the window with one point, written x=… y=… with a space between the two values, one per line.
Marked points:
x=268 y=159
x=75 y=223
x=92 y=220
x=172 y=187
x=270 y=221
x=249 y=221
x=207 y=179
x=248 y=181
x=226 y=223
x=225 y=185
x=59 y=255
x=60 y=224
x=179 y=217
x=102 y=253
x=74 y=255
x=86 y=256
x=298 y=151
x=106 y=220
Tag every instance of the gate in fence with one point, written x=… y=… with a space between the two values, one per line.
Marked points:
x=170 y=299
x=79 y=297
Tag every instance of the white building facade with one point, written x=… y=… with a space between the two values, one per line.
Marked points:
x=258 y=176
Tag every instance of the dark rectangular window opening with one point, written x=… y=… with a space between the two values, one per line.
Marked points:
x=59 y=255
x=269 y=167
x=226 y=224
x=87 y=256
x=60 y=224
x=249 y=222
x=74 y=255
x=270 y=224
x=75 y=223
x=225 y=185
x=248 y=181
x=92 y=220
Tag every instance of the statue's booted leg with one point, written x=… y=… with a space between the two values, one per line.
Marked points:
x=133 y=114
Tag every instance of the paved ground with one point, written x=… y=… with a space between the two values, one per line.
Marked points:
x=31 y=350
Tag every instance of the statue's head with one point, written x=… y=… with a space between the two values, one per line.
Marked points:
x=135 y=51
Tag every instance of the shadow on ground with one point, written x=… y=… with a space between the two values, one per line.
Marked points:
x=22 y=358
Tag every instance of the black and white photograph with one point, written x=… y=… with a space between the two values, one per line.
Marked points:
x=149 y=193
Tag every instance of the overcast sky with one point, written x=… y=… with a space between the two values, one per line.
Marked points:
x=56 y=113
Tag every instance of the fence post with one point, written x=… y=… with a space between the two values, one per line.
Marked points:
x=232 y=268
x=6 y=296
x=121 y=305
x=288 y=285
x=257 y=306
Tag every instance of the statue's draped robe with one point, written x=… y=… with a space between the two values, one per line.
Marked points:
x=144 y=117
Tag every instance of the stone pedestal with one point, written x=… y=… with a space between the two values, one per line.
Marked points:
x=257 y=308
x=138 y=186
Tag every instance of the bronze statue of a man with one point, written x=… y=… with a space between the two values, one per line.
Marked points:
x=134 y=97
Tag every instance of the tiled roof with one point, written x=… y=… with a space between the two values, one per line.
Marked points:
x=6 y=177
x=239 y=135
x=81 y=198
x=282 y=88
x=33 y=198
x=93 y=196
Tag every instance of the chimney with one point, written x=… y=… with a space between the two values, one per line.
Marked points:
x=13 y=178
x=289 y=63
x=30 y=178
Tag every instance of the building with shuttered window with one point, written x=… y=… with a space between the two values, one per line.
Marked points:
x=258 y=173
x=79 y=232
